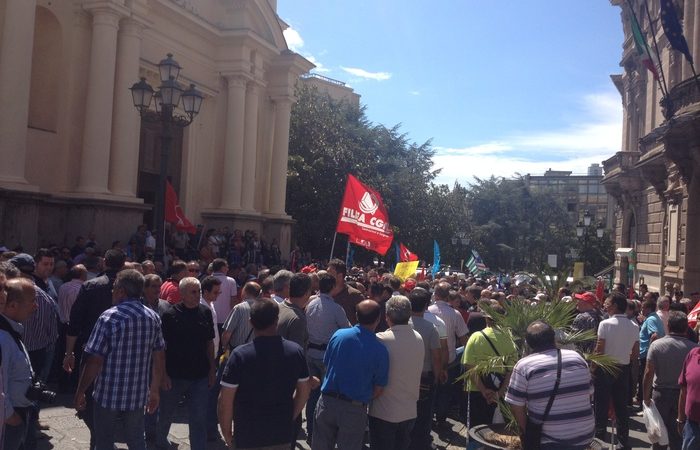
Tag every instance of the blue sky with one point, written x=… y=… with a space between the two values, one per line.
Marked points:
x=500 y=86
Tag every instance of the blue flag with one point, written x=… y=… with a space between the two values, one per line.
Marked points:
x=436 y=258
x=673 y=30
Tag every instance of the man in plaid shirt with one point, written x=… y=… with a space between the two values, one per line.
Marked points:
x=125 y=346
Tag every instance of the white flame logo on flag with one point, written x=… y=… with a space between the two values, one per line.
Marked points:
x=368 y=204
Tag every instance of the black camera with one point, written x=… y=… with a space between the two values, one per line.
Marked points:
x=37 y=392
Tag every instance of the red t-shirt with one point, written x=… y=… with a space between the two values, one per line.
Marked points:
x=690 y=378
x=170 y=291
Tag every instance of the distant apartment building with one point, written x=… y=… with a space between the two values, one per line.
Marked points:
x=337 y=90
x=577 y=193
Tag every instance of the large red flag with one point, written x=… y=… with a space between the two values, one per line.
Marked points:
x=364 y=218
x=174 y=213
x=406 y=255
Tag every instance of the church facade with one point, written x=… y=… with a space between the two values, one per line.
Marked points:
x=75 y=155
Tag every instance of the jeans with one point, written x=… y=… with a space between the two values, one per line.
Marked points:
x=16 y=436
x=105 y=422
x=420 y=434
x=196 y=392
x=666 y=401
x=212 y=405
x=552 y=446
x=390 y=435
x=691 y=436
x=316 y=369
x=612 y=387
x=338 y=422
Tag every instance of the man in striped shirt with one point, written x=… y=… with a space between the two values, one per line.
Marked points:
x=570 y=423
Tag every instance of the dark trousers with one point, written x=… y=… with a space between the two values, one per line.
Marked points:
x=420 y=434
x=449 y=391
x=666 y=401
x=480 y=412
x=316 y=369
x=15 y=437
x=389 y=435
x=640 y=378
x=105 y=423
x=612 y=387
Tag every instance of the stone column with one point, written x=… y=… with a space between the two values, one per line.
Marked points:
x=15 y=79
x=280 y=154
x=97 y=135
x=233 y=152
x=251 y=147
x=124 y=155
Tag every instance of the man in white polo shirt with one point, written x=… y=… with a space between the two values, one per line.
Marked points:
x=618 y=337
x=228 y=297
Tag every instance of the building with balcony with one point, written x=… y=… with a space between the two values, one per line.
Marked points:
x=655 y=177
x=76 y=158
x=337 y=90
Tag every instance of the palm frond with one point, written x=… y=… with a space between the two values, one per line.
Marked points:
x=606 y=362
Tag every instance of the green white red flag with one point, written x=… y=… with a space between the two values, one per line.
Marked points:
x=640 y=44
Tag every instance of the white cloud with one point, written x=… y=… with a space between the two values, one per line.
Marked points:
x=319 y=65
x=362 y=73
x=593 y=135
x=294 y=39
x=416 y=93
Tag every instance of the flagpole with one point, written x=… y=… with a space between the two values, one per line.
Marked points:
x=347 y=252
x=335 y=235
x=656 y=44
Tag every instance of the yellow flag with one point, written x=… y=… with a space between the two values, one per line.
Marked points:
x=578 y=270
x=406 y=270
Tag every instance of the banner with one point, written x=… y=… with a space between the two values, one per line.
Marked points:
x=405 y=270
x=436 y=259
x=364 y=218
x=406 y=255
x=174 y=213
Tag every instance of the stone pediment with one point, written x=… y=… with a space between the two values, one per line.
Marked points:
x=240 y=16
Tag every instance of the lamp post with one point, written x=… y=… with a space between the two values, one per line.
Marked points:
x=583 y=231
x=167 y=99
x=461 y=240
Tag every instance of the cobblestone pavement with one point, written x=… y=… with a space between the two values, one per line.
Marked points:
x=67 y=432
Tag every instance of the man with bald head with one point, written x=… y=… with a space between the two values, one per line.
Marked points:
x=357 y=370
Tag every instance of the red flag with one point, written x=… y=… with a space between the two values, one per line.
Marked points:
x=600 y=289
x=364 y=218
x=421 y=276
x=174 y=213
x=693 y=316
x=406 y=255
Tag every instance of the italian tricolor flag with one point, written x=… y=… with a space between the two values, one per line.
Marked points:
x=643 y=49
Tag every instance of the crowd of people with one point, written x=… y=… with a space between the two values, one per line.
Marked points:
x=254 y=350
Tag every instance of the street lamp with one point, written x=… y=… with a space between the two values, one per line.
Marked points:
x=583 y=231
x=460 y=239
x=167 y=99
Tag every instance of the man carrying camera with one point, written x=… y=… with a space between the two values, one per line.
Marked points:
x=16 y=368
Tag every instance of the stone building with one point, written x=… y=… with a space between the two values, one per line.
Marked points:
x=335 y=89
x=655 y=178
x=75 y=156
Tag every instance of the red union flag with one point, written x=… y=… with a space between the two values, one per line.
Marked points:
x=363 y=217
x=174 y=213
x=406 y=255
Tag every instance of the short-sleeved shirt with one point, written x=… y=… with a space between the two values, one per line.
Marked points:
x=238 y=324
x=652 y=324
x=570 y=421
x=187 y=331
x=438 y=322
x=229 y=289
x=125 y=336
x=690 y=378
x=170 y=291
x=456 y=327
x=291 y=324
x=406 y=353
x=355 y=362
x=431 y=340
x=217 y=338
x=265 y=374
x=620 y=335
x=478 y=349
x=323 y=318
x=668 y=354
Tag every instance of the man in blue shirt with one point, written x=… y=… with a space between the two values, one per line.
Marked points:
x=357 y=369
x=651 y=329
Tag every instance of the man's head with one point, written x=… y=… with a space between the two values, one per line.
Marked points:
x=148 y=267
x=114 y=259
x=395 y=283
x=78 y=272
x=677 y=322
x=398 y=310
x=24 y=263
x=178 y=270
x=664 y=303
x=281 y=283
x=219 y=265
x=251 y=290
x=454 y=299
x=326 y=282
x=540 y=336
x=648 y=306
x=44 y=261
x=60 y=269
x=442 y=291
x=128 y=285
x=300 y=288
x=337 y=269
x=419 y=298
x=211 y=288
x=616 y=303
x=193 y=268
x=586 y=301
x=21 y=299
x=151 y=287
x=264 y=314
x=7 y=272
x=368 y=313
x=190 y=291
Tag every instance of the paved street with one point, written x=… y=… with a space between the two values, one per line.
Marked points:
x=67 y=432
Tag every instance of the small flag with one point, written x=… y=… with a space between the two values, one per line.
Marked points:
x=174 y=213
x=600 y=289
x=406 y=270
x=475 y=265
x=406 y=254
x=640 y=44
x=673 y=30
x=436 y=259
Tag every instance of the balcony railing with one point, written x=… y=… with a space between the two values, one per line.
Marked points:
x=681 y=95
